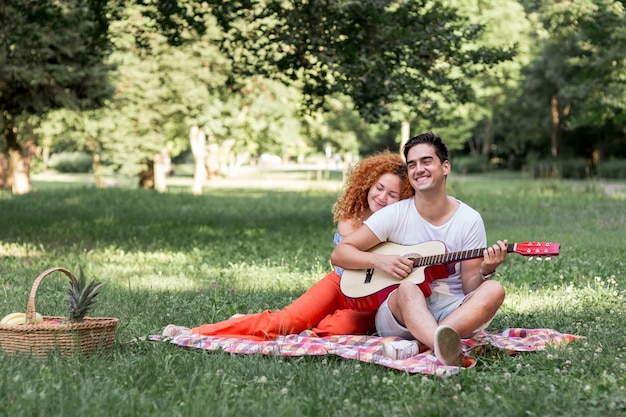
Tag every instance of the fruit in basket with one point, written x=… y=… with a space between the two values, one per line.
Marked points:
x=19 y=318
x=81 y=296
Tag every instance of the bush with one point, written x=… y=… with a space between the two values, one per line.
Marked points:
x=468 y=165
x=70 y=162
x=572 y=168
x=613 y=168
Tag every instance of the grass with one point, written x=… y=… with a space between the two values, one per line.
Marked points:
x=178 y=258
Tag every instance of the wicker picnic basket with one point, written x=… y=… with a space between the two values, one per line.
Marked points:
x=67 y=338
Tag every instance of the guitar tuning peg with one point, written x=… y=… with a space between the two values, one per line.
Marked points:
x=548 y=258
x=530 y=258
x=539 y=259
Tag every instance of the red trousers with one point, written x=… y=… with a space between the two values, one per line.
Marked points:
x=322 y=309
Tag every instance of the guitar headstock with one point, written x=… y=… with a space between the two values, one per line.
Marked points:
x=537 y=248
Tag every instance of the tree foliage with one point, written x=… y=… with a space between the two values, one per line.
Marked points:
x=51 y=56
x=573 y=95
x=375 y=51
x=125 y=80
x=46 y=66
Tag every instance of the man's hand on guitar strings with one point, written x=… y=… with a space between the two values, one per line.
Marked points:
x=493 y=257
x=396 y=266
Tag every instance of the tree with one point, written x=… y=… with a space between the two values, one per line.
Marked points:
x=53 y=55
x=325 y=47
x=573 y=95
x=595 y=95
x=505 y=25
x=375 y=51
x=161 y=91
x=44 y=66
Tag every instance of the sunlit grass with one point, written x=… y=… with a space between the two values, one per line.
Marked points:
x=178 y=258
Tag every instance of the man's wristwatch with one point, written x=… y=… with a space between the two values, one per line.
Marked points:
x=486 y=277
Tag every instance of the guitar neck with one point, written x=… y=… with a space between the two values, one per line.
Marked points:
x=446 y=258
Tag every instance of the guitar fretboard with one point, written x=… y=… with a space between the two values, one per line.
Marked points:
x=446 y=258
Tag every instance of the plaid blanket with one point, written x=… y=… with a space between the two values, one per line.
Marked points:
x=369 y=348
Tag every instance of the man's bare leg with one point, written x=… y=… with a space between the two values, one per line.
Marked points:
x=409 y=307
x=477 y=309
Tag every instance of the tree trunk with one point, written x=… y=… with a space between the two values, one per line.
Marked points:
x=162 y=166
x=474 y=143
x=95 y=165
x=487 y=142
x=554 y=104
x=45 y=157
x=19 y=164
x=146 y=177
x=95 y=162
x=405 y=132
x=5 y=177
x=197 y=138
x=598 y=153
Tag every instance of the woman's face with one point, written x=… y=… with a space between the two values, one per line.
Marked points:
x=385 y=191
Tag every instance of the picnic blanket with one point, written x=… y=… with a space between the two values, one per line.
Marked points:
x=370 y=348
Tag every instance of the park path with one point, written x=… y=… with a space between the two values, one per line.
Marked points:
x=293 y=177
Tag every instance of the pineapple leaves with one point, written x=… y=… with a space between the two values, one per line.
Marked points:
x=81 y=296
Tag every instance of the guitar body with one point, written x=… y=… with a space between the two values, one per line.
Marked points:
x=366 y=289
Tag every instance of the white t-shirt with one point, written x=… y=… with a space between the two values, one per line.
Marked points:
x=402 y=224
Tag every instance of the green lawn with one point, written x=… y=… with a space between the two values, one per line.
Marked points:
x=178 y=258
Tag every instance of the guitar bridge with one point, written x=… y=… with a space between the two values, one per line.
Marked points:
x=368 y=275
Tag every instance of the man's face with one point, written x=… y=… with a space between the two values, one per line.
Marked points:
x=425 y=168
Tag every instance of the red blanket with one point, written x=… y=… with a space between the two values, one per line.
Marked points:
x=369 y=348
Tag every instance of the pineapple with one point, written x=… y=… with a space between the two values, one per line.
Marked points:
x=81 y=297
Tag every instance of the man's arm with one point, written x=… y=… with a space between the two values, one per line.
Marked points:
x=473 y=270
x=352 y=253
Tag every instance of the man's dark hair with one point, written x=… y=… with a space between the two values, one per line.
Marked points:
x=428 y=138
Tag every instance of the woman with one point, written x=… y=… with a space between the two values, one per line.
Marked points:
x=373 y=183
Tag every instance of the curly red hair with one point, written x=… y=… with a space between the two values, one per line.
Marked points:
x=353 y=201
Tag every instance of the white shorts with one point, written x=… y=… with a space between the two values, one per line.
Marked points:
x=440 y=305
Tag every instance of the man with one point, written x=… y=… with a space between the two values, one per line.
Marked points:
x=461 y=304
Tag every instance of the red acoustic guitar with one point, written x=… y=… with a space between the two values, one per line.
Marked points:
x=366 y=289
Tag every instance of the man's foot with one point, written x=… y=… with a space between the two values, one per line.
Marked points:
x=448 y=347
x=400 y=349
x=172 y=330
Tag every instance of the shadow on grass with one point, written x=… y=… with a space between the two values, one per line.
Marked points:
x=141 y=219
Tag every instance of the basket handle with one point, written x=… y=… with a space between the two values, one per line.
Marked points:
x=30 y=307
